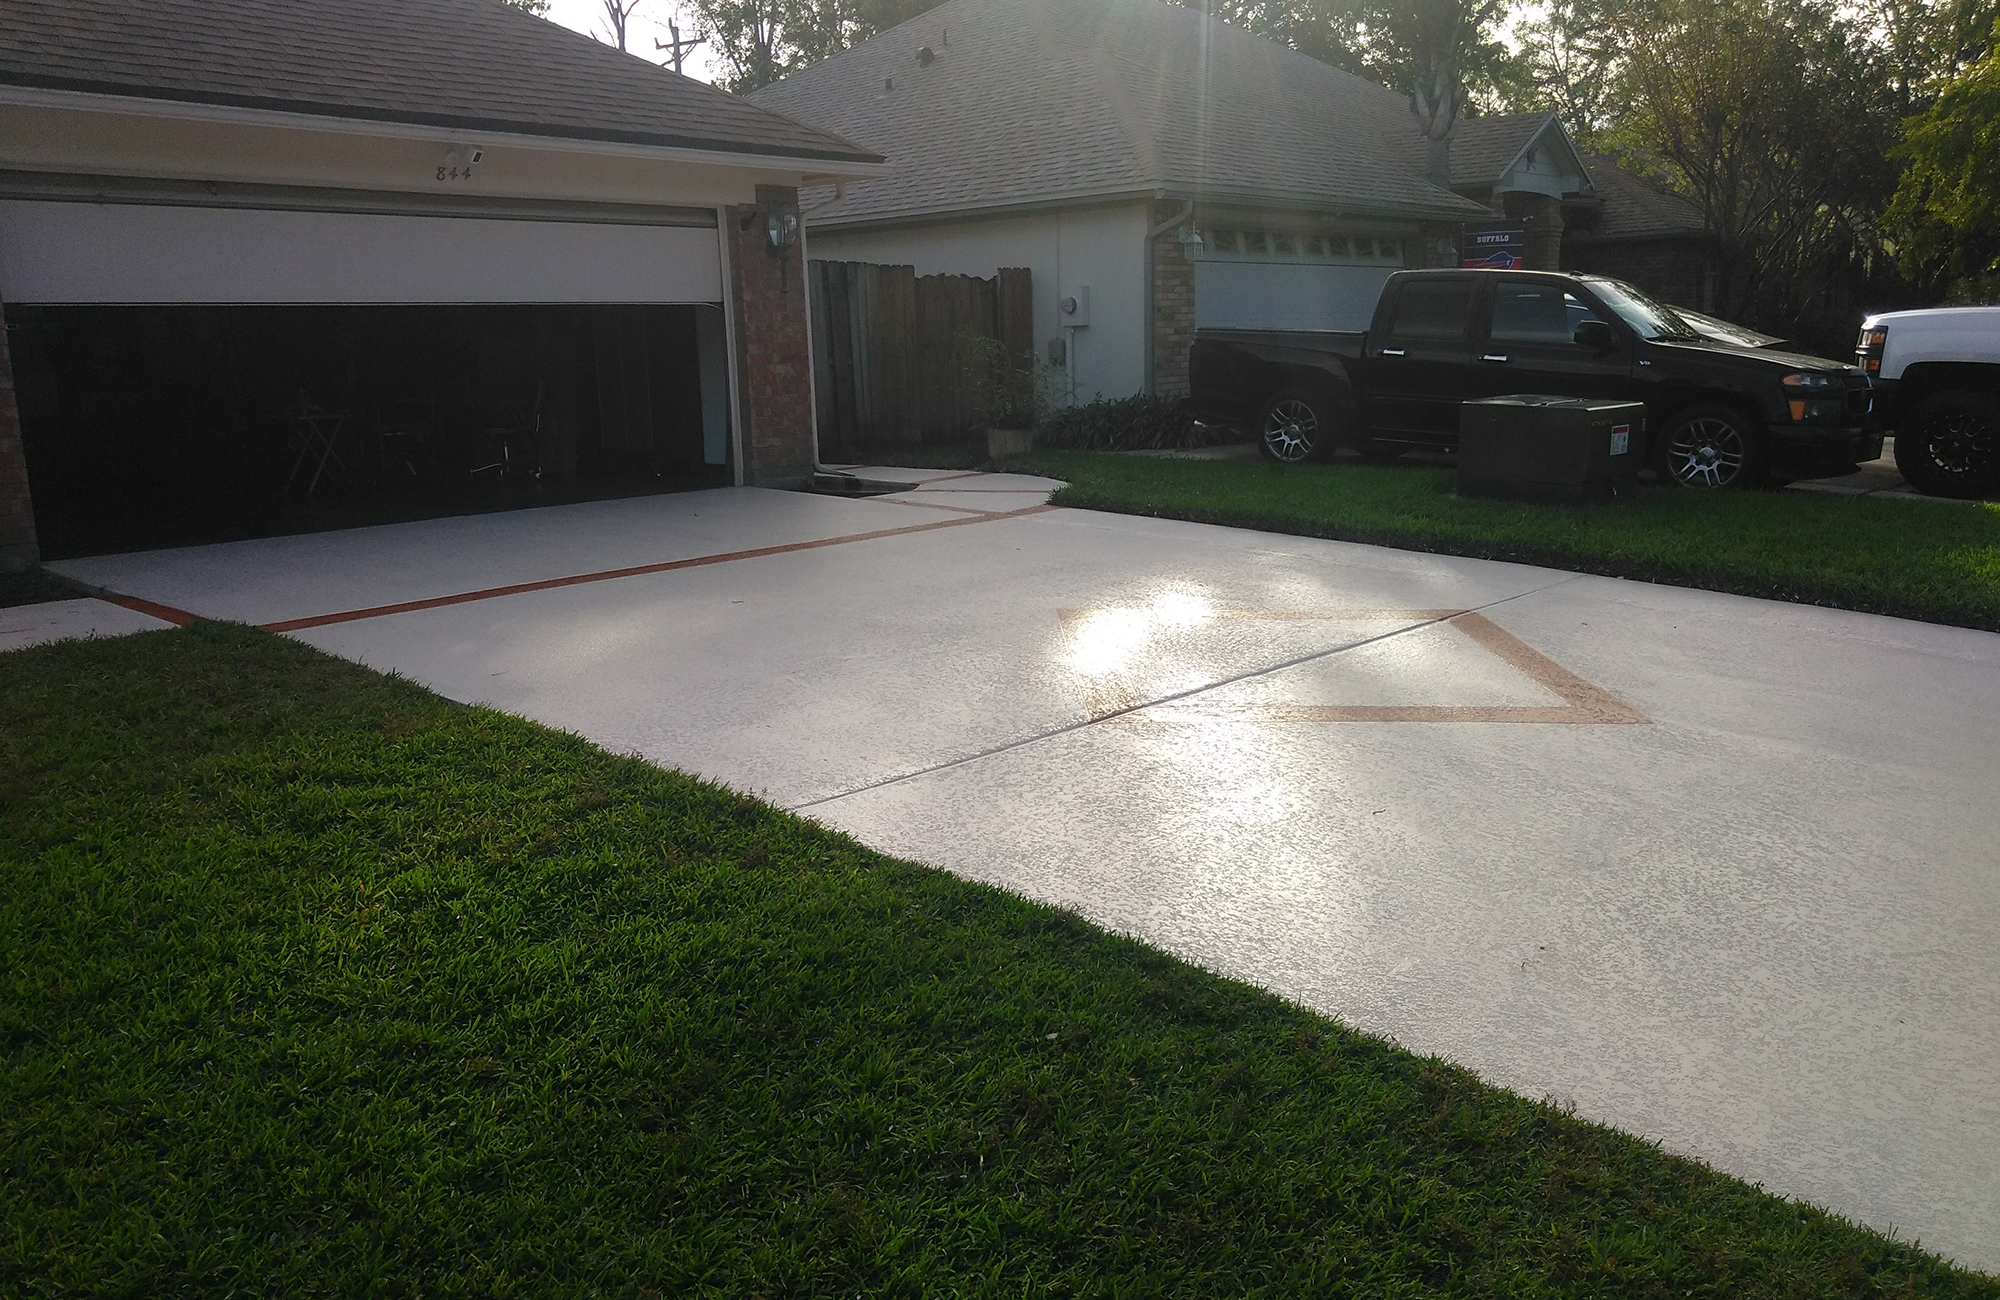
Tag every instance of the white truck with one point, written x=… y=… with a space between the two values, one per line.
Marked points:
x=1937 y=375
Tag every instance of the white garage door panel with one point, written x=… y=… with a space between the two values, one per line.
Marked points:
x=1281 y=295
x=128 y=253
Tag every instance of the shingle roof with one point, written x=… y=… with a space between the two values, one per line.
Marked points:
x=1482 y=147
x=469 y=64
x=1046 y=100
x=1633 y=207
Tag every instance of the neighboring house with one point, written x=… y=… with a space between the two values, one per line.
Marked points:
x=1637 y=230
x=1582 y=212
x=1160 y=169
x=1523 y=167
x=335 y=191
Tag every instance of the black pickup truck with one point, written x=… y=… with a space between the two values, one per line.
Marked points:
x=1718 y=415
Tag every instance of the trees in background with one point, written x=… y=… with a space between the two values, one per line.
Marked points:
x=759 y=41
x=1567 y=60
x=1947 y=201
x=1792 y=123
x=1404 y=44
x=1773 y=116
x=617 y=16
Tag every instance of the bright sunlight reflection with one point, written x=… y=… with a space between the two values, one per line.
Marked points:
x=1106 y=641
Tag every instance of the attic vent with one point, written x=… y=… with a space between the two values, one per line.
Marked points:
x=888 y=84
x=925 y=55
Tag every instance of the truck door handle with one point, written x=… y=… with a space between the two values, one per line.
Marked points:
x=1494 y=356
x=1392 y=352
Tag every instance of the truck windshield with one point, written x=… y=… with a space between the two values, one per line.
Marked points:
x=1652 y=320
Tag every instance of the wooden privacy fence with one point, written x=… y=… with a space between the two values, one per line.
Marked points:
x=886 y=360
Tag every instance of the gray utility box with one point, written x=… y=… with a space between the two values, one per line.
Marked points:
x=1535 y=448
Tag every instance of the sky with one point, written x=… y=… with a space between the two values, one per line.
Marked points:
x=647 y=24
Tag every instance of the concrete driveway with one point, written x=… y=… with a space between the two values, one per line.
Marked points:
x=1719 y=871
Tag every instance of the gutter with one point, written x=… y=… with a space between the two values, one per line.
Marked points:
x=1337 y=208
x=83 y=187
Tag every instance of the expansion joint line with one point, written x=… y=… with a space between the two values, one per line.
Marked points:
x=1583 y=701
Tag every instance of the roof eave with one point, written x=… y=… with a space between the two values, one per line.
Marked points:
x=1449 y=207
x=1464 y=210
x=248 y=110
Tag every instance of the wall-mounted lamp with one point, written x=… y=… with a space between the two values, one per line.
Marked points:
x=1192 y=246
x=781 y=229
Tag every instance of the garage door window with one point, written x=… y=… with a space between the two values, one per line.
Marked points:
x=1291 y=246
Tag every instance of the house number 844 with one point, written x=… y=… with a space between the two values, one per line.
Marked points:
x=451 y=169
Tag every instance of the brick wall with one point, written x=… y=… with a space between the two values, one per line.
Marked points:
x=773 y=353
x=17 y=515
x=1542 y=215
x=1173 y=308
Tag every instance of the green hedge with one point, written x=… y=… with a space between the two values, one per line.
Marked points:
x=1142 y=423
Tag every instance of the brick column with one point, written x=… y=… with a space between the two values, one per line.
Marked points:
x=18 y=547
x=1173 y=308
x=773 y=352
x=1438 y=245
x=1543 y=218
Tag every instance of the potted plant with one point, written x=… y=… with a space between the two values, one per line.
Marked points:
x=1005 y=391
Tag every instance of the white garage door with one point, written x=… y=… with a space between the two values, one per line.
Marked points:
x=1281 y=295
x=53 y=253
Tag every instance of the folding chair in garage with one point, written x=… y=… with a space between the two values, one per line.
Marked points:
x=316 y=435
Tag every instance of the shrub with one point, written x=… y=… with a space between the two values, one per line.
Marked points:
x=1142 y=423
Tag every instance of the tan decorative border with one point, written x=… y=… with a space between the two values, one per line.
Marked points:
x=1583 y=702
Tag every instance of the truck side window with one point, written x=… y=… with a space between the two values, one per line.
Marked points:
x=1432 y=309
x=1537 y=313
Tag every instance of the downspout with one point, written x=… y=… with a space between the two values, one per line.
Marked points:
x=812 y=343
x=1152 y=322
x=730 y=324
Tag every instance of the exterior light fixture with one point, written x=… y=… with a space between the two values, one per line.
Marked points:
x=781 y=229
x=1192 y=246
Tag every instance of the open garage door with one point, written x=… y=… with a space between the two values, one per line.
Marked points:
x=188 y=374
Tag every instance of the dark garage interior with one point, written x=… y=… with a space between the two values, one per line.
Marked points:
x=148 y=426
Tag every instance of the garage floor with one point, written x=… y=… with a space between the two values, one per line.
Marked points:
x=1719 y=871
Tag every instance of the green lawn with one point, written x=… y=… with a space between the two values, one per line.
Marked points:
x=1918 y=559
x=314 y=984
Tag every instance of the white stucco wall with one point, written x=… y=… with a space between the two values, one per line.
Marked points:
x=1103 y=248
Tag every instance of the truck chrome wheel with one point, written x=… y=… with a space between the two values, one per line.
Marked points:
x=1711 y=447
x=1293 y=428
x=1290 y=430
